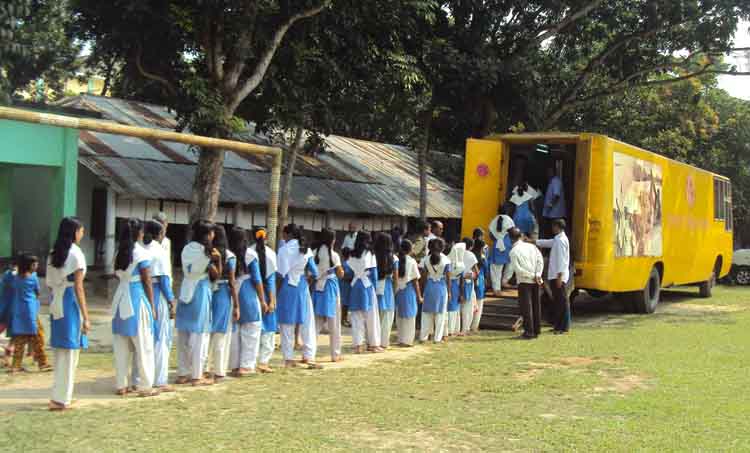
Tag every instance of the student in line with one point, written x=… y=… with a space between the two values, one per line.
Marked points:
x=296 y=262
x=201 y=264
x=6 y=303
x=224 y=307
x=455 y=253
x=267 y=264
x=523 y=198
x=24 y=327
x=327 y=296
x=363 y=303
x=558 y=273
x=345 y=287
x=133 y=312
x=387 y=264
x=527 y=264
x=436 y=269
x=246 y=337
x=468 y=306
x=408 y=295
x=499 y=254
x=164 y=301
x=69 y=314
x=480 y=284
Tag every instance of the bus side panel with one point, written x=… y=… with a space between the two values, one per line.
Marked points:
x=581 y=199
x=484 y=175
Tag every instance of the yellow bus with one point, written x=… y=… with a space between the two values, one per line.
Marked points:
x=637 y=221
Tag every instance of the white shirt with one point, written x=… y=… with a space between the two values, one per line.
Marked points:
x=526 y=262
x=166 y=244
x=435 y=272
x=559 y=257
x=349 y=241
x=470 y=260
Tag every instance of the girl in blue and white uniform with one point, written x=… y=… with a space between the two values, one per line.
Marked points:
x=363 y=303
x=295 y=308
x=408 y=294
x=327 y=296
x=133 y=312
x=522 y=198
x=270 y=325
x=436 y=268
x=499 y=254
x=387 y=264
x=69 y=315
x=225 y=308
x=201 y=264
x=455 y=253
x=164 y=299
x=252 y=302
x=468 y=306
x=480 y=284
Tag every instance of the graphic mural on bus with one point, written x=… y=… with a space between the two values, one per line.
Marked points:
x=637 y=207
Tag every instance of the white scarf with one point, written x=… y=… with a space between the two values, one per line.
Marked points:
x=194 y=268
x=158 y=258
x=327 y=268
x=252 y=254
x=457 y=259
x=411 y=272
x=529 y=194
x=360 y=266
x=122 y=300
x=57 y=279
x=292 y=263
x=505 y=225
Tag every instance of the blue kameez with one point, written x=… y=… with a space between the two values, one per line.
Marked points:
x=270 y=320
x=361 y=298
x=221 y=302
x=406 y=301
x=25 y=308
x=129 y=327
x=325 y=302
x=455 y=295
x=195 y=316
x=250 y=310
x=480 y=287
x=292 y=300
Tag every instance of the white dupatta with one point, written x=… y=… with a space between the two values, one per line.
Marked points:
x=506 y=223
x=411 y=272
x=292 y=263
x=194 y=267
x=57 y=279
x=122 y=300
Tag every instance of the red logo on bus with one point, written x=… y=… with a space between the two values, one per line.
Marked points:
x=483 y=170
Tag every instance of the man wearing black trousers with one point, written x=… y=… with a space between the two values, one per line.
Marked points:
x=527 y=264
x=558 y=275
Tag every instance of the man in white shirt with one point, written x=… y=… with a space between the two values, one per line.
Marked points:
x=166 y=244
x=351 y=238
x=558 y=274
x=527 y=264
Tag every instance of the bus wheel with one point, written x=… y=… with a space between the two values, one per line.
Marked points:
x=707 y=287
x=645 y=301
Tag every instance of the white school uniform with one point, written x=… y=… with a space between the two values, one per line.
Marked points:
x=326 y=287
x=267 y=338
x=468 y=307
x=406 y=303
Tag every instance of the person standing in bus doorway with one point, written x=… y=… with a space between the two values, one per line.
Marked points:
x=554 y=201
x=527 y=264
x=558 y=274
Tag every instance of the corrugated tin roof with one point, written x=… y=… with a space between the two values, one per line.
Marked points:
x=351 y=176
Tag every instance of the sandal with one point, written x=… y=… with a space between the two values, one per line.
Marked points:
x=290 y=364
x=148 y=393
x=182 y=380
x=201 y=382
x=264 y=369
x=54 y=406
x=314 y=366
x=218 y=379
x=166 y=389
x=122 y=391
x=45 y=368
x=359 y=349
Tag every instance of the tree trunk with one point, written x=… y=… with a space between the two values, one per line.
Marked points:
x=422 y=162
x=207 y=185
x=286 y=185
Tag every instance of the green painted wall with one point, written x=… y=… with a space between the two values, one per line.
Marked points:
x=38 y=145
x=6 y=212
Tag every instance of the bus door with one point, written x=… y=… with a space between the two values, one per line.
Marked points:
x=485 y=176
x=580 y=225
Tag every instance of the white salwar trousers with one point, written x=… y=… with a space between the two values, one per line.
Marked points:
x=432 y=323
x=496 y=276
x=454 y=319
x=406 y=330
x=386 y=325
x=192 y=350
x=477 y=316
x=142 y=345
x=365 y=327
x=308 y=333
x=220 y=345
x=267 y=345
x=333 y=326
x=162 y=348
x=467 y=314
x=66 y=362
x=245 y=346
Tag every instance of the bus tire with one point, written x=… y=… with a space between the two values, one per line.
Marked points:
x=707 y=287
x=645 y=301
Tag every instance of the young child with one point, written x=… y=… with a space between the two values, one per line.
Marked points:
x=387 y=264
x=24 y=323
x=468 y=305
x=267 y=263
x=363 y=304
x=408 y=294
x=327 y=296
x=436 y=269
x=6 y=301
x=456 y=254
x=480 y=286
x=345 y=287
x=224 y=307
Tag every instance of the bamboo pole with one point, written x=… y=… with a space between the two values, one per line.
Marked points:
x=27 y=116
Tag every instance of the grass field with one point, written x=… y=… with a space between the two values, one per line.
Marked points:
x=673 y=381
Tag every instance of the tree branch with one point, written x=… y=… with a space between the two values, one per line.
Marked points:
x=139 y=65
x=265 y=60
x=567 y=21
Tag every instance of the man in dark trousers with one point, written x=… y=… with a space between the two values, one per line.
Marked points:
x=558 y=274
x=527 y=264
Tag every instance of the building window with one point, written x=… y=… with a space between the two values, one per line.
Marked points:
x=723 y=202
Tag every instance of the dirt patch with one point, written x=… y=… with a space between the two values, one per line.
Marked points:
x=534 y=369
x=699 y=309
x=26 y=391
x=622 y=384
